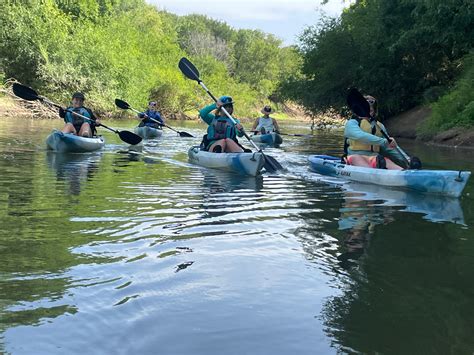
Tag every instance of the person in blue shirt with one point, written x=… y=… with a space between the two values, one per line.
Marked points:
x=151 y=112
x=84 y=127
x=221 y=134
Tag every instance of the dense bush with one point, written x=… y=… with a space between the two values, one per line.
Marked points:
x=456 y=108
x=130 y=50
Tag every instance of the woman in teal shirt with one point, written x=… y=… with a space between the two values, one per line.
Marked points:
x=222 y=133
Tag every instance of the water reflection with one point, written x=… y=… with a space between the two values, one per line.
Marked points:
x=434 y=208
x=73 y=169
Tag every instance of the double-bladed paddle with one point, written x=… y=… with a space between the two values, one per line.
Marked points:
x=359 y=105
x=191 y=72
x=27 y=93
x=125 y=106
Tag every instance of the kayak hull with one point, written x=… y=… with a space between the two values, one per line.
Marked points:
x=241 y=163
x=439 y=182
x=147 y=132
x=271 y=139
x=70 y=143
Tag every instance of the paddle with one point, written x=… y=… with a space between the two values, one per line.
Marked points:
x=289 y=134
x=27 y=93
x=361 y=108
x=191 y=72
x=124 y=105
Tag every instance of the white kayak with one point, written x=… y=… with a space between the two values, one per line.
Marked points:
x=272 y=139
x=147 y=132
x=439 y=182
x=242 y=163
x=70 y=143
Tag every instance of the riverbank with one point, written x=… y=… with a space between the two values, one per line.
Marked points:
x=406 y=125
x=13 y=107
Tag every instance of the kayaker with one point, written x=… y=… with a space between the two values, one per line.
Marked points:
x=265 y=124
x=221 y=134
x=364 y=144
x=151 y=112
x=76 y=124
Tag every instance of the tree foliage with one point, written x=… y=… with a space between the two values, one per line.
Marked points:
x=128 y=49
x=403 y=52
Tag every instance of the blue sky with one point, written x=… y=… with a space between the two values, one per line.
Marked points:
x=284 y=18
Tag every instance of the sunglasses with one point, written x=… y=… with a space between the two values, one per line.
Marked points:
x=153 y=104
x=371 y=101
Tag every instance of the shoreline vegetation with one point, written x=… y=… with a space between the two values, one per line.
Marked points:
x=129 y=49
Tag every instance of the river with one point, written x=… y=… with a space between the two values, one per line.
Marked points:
x=143 y=253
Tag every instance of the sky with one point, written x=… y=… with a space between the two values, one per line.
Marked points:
x=284 y=18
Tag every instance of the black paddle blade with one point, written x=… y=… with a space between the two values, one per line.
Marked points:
x=188 y=69
x=25 y=92
x=185 y=134
x=357 y=103
x=415 y=163
x=129 y=137
x=122 y=104
x=271 y=165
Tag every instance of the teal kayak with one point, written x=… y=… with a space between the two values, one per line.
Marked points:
x=241 y=163
x=70 y=143
x=147 y=132
x=439 y=182
x=271 y=139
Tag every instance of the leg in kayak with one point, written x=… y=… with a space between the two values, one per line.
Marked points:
x=85 y=130
x=371 y=162
x=226 y=145
x=69 y=128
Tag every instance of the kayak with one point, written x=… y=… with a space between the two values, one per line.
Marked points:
x=70 y=143
x=273 y=139
x=439 y=182
x=242 y=163
x=147 y=132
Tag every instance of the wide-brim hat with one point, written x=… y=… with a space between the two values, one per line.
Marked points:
x=267 y=110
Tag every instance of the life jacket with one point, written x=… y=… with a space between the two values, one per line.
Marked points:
x=76 y=120
x=220 y=128
x=266 y=123
x=371 y=127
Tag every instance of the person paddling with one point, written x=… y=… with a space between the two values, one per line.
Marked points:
x=221 y=134
x=364 y=144
x=76 y=124
x=151 y=112
x=265 y=124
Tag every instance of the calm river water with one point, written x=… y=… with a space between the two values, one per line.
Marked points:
x=144 y=253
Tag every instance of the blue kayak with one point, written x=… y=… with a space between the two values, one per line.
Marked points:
x=440 y=182
x=271 y=139
x=70 y=143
